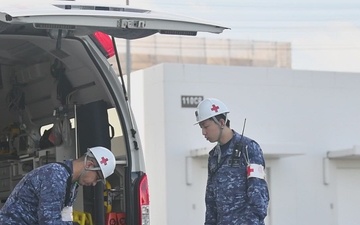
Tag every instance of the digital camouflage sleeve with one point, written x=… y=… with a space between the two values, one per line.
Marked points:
x=38 y=198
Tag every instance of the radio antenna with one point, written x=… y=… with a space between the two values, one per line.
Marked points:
x=242 y=133
x=237 y=149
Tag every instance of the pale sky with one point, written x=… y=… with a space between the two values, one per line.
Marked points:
x=325 y=34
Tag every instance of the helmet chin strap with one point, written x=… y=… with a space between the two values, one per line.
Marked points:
x=220 y=126
x=85 y=161
x=85 y=169
x=82 y=173
x=221 y=129
x=220 y=133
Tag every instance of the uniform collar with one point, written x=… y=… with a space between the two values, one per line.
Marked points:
x=227 y=148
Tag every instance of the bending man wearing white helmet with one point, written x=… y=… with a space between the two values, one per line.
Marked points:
x=46 y=194
x=236 y=190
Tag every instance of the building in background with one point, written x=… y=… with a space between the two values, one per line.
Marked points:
x=307 y=123
x=157 y=49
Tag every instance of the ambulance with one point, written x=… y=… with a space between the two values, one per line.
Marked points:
x=59 y=96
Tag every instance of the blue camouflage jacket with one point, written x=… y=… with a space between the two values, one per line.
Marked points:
x=232 y=198
x=39 y=197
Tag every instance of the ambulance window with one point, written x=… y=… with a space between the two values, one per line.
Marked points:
x=117 y=142
x=48 y=126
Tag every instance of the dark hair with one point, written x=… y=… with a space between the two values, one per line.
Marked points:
x=223 y=116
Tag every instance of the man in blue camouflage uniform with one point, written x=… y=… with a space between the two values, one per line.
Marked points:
x=236 y=190
x=46 y=194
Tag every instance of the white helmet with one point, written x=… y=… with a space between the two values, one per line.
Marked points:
x=105 y=159
x=208 y=108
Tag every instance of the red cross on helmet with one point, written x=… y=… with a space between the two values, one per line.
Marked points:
x=208 y=108
x=105 y=159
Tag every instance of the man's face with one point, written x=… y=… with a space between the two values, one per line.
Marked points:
x=210 y=130
x=90 y=177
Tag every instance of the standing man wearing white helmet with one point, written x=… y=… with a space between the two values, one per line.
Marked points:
x=46 y=194
x=236 y=190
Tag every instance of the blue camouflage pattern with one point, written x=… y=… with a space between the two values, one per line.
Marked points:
x=39 y=197
x=232 y=198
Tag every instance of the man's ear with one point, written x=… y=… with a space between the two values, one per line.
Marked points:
x=89 y=164
x=222 y=123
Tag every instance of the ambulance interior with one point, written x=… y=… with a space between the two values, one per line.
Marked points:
x=53 y=106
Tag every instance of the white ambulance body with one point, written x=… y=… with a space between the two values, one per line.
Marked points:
x=54 y=70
